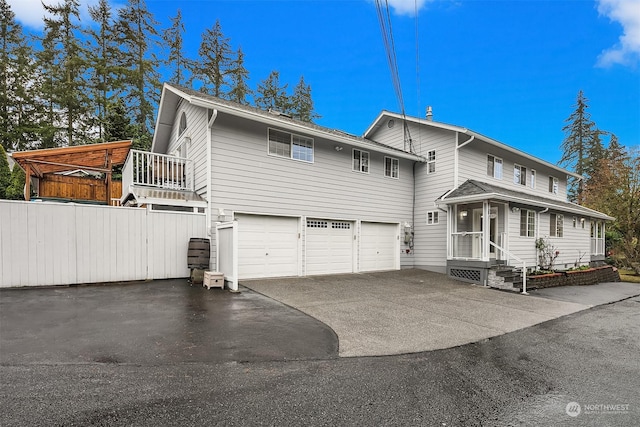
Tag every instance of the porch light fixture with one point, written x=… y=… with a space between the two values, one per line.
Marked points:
x=338 y=148
x=515 y=209
x=463 y=214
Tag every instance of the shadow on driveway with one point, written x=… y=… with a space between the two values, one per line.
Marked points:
x=156 y=322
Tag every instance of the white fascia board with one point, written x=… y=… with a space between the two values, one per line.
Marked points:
x=418 y=121
x=579 y=210
x=295 y=127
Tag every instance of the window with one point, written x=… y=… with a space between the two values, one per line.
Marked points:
x=391 y=167
x=553 y=185
x=183 y=124
x=284 y=144
x=432 y=217
x=494 y=166
x=575 y=222
x=314 y=223
x=556 y=226
x=527 y=223
x=532 y=181
x=360 y=161
x=431 y=161
x=519 y=175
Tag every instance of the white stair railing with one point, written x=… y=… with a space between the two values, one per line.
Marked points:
x=524 y=265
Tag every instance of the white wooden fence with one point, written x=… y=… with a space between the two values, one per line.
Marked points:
x=44 y=243
x=227 y=252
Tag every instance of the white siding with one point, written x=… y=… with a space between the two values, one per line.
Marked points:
x=246 y=179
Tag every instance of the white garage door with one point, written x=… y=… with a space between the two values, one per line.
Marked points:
x=267 y=246
x=329 y=246
x=378 y=246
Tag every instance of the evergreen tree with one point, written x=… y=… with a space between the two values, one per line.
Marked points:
x=270 y=95
x=5 y=173
x=302 y=104
x=138 y=39
x=239 y=75
x=68 y=88
x=15 y=191
x=17 y=103
x=103 y=60
x=173 y=39
x=117 y=124
x=214 y=61
x=582 y=140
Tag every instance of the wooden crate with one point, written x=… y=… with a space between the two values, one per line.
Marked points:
x=213 y=279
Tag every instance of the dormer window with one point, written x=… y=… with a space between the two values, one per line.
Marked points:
x=183 y=124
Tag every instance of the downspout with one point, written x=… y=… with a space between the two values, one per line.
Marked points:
x=455 y=163
x=209 y=172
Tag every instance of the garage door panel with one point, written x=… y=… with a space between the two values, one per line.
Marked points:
x=378 y=243
x=329 y=247
x=267 y=246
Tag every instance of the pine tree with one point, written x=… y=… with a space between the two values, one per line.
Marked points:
x=214 y=61
x=302 y=104
x=102 y=54
x=582 y=140
x=272 y=96
x=173 y=39
x=68 y=88
x=141 y=80
x=239 y=75
x=17 y=109
x=117 y=124
x=5 y=173
x=15 y=191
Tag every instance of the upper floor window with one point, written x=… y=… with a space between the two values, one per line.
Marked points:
x=494 y=166
x=284 y=144
x=391 y=167
x=360 y=161
x=183 y=123
x=432 y=217
x=431 y=161
x=532 y=181
x=556 y=225
x=519 y=175
x=553 y=185
x=527 y=223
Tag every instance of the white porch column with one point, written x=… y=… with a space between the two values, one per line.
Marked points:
x=486 y=225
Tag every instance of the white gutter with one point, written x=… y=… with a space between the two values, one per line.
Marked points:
x=209 y=172
x=455 y=164
x=302 y=129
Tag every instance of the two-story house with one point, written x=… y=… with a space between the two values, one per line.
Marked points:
x=310 y=200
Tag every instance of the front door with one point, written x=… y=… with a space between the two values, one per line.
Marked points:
x=478 y=228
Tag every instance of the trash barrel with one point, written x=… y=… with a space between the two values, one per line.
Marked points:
x=198 y=253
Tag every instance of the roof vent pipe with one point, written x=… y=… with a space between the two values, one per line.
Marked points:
x=429 y=113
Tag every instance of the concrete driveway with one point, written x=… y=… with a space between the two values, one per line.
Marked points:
x=412 y=310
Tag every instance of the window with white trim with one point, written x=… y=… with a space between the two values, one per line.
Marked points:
x=556 y=225
x=494 y=166
x=532 y=181
x=391 y=167
x=431 y=161
x=527 y=223
x=519 y=175
x=575 y=222
x=360 y=161
x=183 y=124
x=553 y=185
x=432 y=217
x=285 y=144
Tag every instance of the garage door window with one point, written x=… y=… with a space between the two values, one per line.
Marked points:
x=312 y=223
x=342 y=225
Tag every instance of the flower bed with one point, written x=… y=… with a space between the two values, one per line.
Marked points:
x=590 y=276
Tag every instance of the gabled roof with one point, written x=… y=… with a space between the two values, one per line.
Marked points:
x=90 y=157
x=171 y=95
x=474 y=191
x=453 y=128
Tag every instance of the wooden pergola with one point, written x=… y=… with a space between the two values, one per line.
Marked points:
x=92 y=157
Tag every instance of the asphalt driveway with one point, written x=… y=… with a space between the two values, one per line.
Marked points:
x=415 y=310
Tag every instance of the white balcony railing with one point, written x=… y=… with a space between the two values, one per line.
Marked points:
x=157 y=170
x=467 y=245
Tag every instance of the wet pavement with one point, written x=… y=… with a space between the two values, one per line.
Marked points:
x=160 y=322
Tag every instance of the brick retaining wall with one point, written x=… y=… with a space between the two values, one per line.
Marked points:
x=575 y=278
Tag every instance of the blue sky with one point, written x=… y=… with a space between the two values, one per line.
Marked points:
x=509 y=69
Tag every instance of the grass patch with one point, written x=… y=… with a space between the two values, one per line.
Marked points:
x=628 y=276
